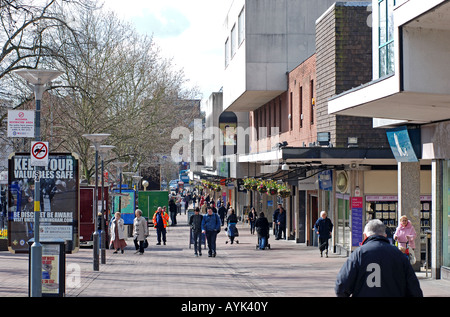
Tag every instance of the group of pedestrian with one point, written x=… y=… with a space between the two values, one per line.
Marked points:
x=208 y=225
x=375 y=269
x=140 y=230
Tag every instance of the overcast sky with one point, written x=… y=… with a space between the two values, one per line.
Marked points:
x=190 y=31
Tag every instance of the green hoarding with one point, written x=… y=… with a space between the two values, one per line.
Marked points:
x=149 y=201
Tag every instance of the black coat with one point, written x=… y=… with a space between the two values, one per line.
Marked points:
x=262 y=226
x=324 y=227
x=377 y=269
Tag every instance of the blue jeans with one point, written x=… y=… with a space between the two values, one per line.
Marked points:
x=262 y=242
x=211 y=238
x=197 y=237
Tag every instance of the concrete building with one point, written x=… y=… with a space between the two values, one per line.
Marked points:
x=409 y=93
x=289 y=90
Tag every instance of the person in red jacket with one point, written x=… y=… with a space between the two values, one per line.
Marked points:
x=160 y=221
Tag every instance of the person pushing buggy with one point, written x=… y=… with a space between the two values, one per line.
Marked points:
x=262 y=229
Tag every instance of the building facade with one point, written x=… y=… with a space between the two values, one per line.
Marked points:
x=409 y=95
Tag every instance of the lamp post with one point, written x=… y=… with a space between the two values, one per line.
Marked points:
x=37 y=80
x=119 y=166
x=103 y=152
x=96 y=139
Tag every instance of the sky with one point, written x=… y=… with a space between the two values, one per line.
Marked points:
x=189 y=31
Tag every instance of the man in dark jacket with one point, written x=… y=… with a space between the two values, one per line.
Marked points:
x=323 y=228
x=262 y=229
x=196 y=224
x=281 y=223
x=377 y=268
x=173 y=211
x=211 y=227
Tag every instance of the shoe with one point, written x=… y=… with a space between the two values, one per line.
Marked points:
x=141 y=253
x=199 y=254
x=209 y=255
x=159 y=243
x=195 y=254
x=164 y=242
x=121 y=251
x=115 y=252
x=321 y=255
x=137 y=251
x=214 y=255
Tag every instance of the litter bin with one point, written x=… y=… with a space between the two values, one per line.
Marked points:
x=53 y=268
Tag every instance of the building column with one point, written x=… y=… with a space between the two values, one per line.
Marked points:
x=409 y=199
x=437 y=187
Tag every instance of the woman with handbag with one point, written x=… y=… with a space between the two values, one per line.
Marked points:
x=140 y=231
x=117 y=233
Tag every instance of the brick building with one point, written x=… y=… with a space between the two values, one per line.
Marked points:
x=344 y=61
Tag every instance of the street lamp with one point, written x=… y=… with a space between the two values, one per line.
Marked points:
x=120 y=166
x=96 y=139
x=37 y=80
x=103 y=152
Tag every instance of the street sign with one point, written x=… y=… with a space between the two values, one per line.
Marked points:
x=20 y=123
x=39 y=153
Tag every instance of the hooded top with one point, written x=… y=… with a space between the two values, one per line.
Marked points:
x=402 y=232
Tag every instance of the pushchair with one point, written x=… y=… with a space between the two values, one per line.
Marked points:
x=232 y=232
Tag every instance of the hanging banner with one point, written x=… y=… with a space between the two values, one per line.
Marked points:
x=59 y=216
x=357 y=220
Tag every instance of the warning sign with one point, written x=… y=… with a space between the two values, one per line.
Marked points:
x=20 y=124
x=39 y=153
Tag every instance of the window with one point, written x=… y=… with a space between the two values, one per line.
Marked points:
x=290 y=111
x=227 y=50
x=386 y=37
x=311 y=95
x=233 y=40
x=300 y=99
x=241 y=27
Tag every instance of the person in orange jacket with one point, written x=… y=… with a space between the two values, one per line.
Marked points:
x=160 y=221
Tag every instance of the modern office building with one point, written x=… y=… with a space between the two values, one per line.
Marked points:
x=409 y=93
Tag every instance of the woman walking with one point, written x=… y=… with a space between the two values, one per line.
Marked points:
x=117 y=233
x=140 y=231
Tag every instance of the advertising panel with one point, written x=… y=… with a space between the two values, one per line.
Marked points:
x=59 y=217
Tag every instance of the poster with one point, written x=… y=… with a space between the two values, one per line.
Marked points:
x=50 y=269
x=229 y=133
x=127 y=205
x=59 y=217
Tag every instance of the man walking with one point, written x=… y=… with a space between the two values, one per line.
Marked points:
x=196 y=225
x=211 y=227
x=160 y=220
x=377 y=268
x=323 y=228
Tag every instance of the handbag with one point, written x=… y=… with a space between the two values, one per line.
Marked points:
x=411 y=256
x=145 y=244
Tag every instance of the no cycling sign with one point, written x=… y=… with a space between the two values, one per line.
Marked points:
x=39 y=153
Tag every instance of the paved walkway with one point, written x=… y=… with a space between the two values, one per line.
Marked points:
x=239 y=270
